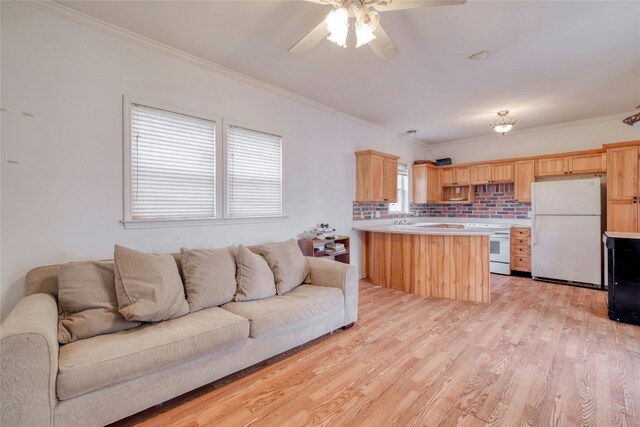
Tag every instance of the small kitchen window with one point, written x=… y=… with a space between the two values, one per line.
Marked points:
x=402 y=205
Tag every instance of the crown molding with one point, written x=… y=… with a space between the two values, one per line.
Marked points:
x=89 y=21
x=599 y=119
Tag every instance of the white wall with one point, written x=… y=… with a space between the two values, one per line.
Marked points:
x=62 y=200
x=581 y=135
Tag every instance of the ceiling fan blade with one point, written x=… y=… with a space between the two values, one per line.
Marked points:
x=413 y=4
x=312 y=38
x=382 y=45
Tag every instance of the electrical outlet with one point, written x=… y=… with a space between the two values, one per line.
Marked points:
x=377 y=214
x=457 y=190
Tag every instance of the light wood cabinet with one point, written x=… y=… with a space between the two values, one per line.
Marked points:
x=521 y=249
x=587 y=163
x=390 y=180
x=480 y=174
x=376 y=177
x=622 y=173
x=622 y=215
x=623 y=189
x=571 y=165
x=425 y=186
x=502 y=172
x=491 y=173
x=524 y=176
x=457 y=176
x=552 y=166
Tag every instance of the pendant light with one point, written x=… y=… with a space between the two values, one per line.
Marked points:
x=504 y=123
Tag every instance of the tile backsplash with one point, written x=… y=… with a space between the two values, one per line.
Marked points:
x=491 y=201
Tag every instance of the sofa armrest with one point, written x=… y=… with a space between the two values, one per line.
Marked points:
x=29 y=362
x=333 y=274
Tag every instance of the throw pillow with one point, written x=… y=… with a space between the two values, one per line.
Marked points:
x=289 y=266
x=255 y=278
x=148 y=286
x=87 y=301
x=209 y=276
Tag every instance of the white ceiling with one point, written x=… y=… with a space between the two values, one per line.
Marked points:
x=549 y=61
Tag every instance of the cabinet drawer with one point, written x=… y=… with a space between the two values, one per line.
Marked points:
x=521 y=263
x=520 y=232
x=521 y=241
x=520 y=250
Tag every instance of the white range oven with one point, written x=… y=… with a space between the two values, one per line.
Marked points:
x=499 y=246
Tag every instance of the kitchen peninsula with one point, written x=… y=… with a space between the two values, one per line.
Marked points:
x=436 y=260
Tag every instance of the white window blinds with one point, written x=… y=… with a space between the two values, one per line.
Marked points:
x=254 y=174
x=173 y=165
x=402 y=205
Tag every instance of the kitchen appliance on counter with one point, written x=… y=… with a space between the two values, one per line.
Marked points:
x=566 y=230
x=623 y=254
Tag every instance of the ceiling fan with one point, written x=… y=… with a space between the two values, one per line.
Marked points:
x=335 y=27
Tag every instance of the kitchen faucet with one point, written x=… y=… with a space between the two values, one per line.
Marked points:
x=403 y=221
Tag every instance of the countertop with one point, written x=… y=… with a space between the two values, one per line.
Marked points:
x=518 y=223
x=412 y=229
x=621 y=235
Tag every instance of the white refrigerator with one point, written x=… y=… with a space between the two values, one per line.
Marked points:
x=566 y=231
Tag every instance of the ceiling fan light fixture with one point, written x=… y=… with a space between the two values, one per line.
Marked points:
x=633 y=120
x=504 y=123
x=338 y=25
x=366 y=24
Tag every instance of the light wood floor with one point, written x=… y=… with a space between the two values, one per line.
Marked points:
x=539 y=354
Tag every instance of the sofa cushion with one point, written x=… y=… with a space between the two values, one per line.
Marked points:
x=98 y=362
x=209 y=276
x=254 y=276
x=148 y=286
x=287 y=311
x=87 y=301
x=289 y=266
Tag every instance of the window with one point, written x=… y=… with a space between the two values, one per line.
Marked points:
x=173 y=165
x=254 y=174
x=402 y=205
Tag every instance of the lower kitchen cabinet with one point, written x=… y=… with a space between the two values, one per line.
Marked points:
x=521 y=249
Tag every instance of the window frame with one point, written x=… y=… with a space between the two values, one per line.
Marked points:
x=221 y=170
x=408 y=191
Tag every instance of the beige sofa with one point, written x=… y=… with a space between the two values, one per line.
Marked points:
x=99 y=380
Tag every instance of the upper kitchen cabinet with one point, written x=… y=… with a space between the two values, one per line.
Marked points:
x=524 y=176
x=551 y=166
x=502 y=172
x=425 y=182
x=623 y=189
x=575 y=164
x=622 y=173
x=376 y=176
x=587 y=163
x=491 y=173
x=480 y=174
x=456 y=176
